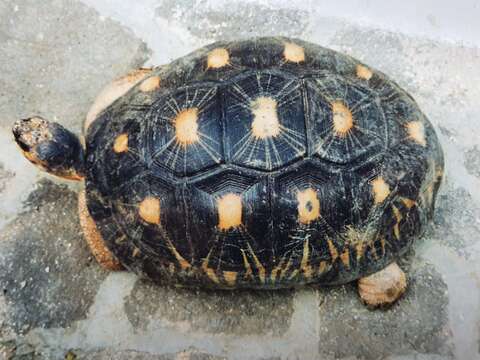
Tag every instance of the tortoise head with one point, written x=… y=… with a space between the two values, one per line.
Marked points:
x=50 y=147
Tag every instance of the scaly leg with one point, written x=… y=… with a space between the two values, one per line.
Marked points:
x=94 y=239
x=383 y=287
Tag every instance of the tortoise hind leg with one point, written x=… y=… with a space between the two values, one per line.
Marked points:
x=94 y=239
x=383 y=287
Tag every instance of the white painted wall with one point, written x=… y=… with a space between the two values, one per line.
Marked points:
x=454 y=21
x=448 y=20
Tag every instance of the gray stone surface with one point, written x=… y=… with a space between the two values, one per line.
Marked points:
x=5 y=175
x=459 y=232
x=208 y=21
x=347 y=329
x=136 y=355
x=56 y=56
x=472 y=161
x=57 y=303
x=215 y=312
x=46 y=273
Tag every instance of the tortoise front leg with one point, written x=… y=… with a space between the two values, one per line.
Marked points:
x=383 y=287
x=94 y=239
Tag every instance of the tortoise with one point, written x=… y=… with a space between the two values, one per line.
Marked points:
x=263 y=163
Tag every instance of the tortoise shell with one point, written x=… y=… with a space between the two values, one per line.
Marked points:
x=264 y=163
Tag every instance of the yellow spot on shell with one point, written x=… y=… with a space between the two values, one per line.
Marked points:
x=416 y=132
x=150 y=84
x=186 y=126
x=380 y=189
x=184 y=264
x=230 y=277
x=398 y=218
x=332 y=249
x=258 y=265
x=211 y=274
x=345 y=257
x=322 y=267
x=308 y=206
x=408 y=203
x=364 y=72
x=246 y=264
x=121 y=143
x=373 y=249
x=229 y=211
x=357 y=240
x=276 y=270
x=218 y=58
x=360 y=250
x=342 y=119
x=265 y=122
x=293 y=52
x=304 y=266
x=382 y=244
x=149 y=210
x=284 y=271
x=209 y=271
x=293 y=274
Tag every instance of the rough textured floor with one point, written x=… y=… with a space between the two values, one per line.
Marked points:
x=57 y=303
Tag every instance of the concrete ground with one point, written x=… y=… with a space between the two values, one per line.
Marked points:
x=57 y=303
